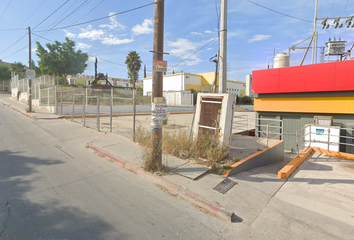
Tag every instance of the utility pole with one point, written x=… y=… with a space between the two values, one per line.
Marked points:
x=223 y=48
x=30 y=67
x=314 y=48
x=157 y=81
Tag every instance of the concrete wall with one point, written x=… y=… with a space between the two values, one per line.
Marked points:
x=265 y=157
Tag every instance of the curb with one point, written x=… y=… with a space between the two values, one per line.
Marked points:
x=184 y=193
x=28 y=114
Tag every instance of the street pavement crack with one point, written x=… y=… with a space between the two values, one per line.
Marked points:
x=7 y=218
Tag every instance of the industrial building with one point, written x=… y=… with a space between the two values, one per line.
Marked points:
x=199 y=82
x=301 y=94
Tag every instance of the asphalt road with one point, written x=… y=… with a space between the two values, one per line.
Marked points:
x=52 y=187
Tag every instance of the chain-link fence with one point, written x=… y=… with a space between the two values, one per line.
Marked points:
x=113 y=110
x=5 y=85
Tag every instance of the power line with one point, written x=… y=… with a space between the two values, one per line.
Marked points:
x=5 y=9
x=110 y=62
x=94 y=8
x=97 y=19
x=51 y=14
x=212 y=40
x=284 y=14
x=14 y=43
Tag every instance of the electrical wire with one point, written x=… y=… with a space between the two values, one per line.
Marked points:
x=98 y=19
x=212 y=40
x=284 y=14
x=5 y=9
x=51 y=14
x=94 y=8
x=14 y=43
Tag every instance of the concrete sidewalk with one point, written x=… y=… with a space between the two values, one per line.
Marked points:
x=37 y=113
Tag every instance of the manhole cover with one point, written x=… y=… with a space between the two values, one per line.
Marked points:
x=225 y=186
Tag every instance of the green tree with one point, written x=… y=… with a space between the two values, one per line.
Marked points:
x=144 y=70
x=18 y=68
x=35 y=68
x=61 y=58
x=133 y=64
x=173 y=71
x=5 y=73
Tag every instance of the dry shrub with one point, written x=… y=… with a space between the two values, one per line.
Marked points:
x=178 y=143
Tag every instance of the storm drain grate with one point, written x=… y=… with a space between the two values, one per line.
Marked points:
x=225 y=185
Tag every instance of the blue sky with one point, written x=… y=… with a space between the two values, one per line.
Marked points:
x=253 y=31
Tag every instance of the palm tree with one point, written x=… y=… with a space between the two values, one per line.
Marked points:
x=18 y=68
x=133 y=64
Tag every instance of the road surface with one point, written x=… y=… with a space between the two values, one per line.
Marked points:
x=52 y=187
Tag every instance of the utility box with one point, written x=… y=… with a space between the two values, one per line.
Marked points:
x=214 y=114
x=323 y=137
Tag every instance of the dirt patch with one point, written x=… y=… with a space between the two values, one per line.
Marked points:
x=348 y=166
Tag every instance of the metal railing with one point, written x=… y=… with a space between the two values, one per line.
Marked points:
x=269 y=129
x=305 y=133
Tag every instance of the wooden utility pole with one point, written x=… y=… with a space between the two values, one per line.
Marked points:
x=30 y=67
x=157 y=81
x=223 y=48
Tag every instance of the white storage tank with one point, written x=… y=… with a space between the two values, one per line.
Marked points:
x=281 y=60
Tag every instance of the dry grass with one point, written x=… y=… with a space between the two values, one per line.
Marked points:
x=205 y=150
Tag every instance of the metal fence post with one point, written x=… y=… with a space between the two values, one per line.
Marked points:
x=39 y=96
x=98 y=114
x=83 y=111
x=134 y=110
x=48 y=97
x=61 y=102
x=297 y=144
x=56 y=99
x=310 y=137
x=267 y=134
x=86 y=96
x=111 y=111
x=72 y=113
x=329 y=138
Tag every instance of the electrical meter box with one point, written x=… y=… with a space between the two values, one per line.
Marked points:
x=214 y=115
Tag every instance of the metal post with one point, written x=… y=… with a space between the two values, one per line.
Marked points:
x=281 y=129
x=297 y=144
x=83 y=110
x=310 y=137
x=56 y=99
x=267 y=133
x=61 y=102
x=86 y=96
x=98 y=114
x=314 y=46
x=48 y=97
x=73 y=110
x=111 y=111
x=134 y=111
x=329 y=138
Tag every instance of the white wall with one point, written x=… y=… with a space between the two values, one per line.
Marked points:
x=190 y=79
x=235 y=88
x=170 y=83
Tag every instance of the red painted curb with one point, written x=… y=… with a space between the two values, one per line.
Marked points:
x=188 y=195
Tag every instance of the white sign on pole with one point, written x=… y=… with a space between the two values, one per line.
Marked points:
x=158 y=111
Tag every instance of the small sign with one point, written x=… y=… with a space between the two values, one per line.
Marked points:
x=30 y=74
x=158 y=99
x=161 y=66
x=320 y=131
x=158 y=111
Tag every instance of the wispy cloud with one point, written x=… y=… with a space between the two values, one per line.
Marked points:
x=258 y=37
x=196 y=33
x=69 y=34
x=90 y=33
x=115 y=41
x=144 y=28
x=183 y=48
x=114 y=23
x=83 y=45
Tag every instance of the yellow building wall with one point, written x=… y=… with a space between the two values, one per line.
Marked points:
x=332 y=105
x=208 y=78
x=192 y=86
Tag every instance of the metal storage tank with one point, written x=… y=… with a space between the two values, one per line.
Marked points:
x=281 y=60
